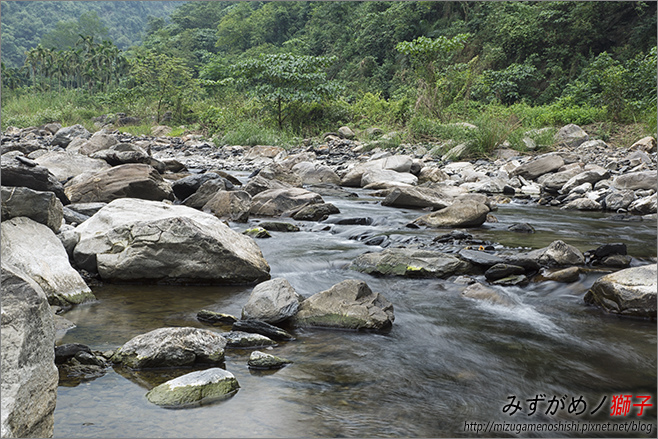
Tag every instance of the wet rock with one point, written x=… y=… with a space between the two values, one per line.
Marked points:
x=261 y=360
x=29 y=375
x=186 y=186
x=315 y=212
x=410 y=263
x=500 y=271
x=644 y=206
x=521 y=228
x=263 y=328
x=363 y=221
x=272 y=301
x=417 y=197
x=462 y=213
x=350 y=304
x=636 y=180
x=42 y=207
x=65 y=135
x=566 y=275
x=194 y=388
x=276 y=202
x=513 y=280
x=560 y=253
x=150 y=241
x=609 y=249
x=171 y=347
x=32 y=250
x=241 y=339
x=480 y=257
x=539 y=166
x=257 y=232
x=205 y=193
x=260 y=184
x=478 y=291
x=65 y=352
x=571 y=136
x=616 y=261
x=629 y=292
x=125 y=181
x=229 y=205
x=15 y=173
x=213 y=317
x=274 y=226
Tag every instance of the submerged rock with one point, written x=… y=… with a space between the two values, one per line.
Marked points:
x=411 y=263
x=478 y=291
x=171 y=347
x=194 y=388
x=263 y=328
x=261 y=360
x=215 y=317
x=241 y=339
x=629 y=292
x=350 y=304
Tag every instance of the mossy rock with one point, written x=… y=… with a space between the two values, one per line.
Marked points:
x=194 y=388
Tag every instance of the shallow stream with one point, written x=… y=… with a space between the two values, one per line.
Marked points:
x=448 y=361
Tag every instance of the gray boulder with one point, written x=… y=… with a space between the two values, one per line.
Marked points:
x=629 y=292
x=125 y=181
x=410 y=263
x=29 y=375
x=65 y=135
x=636 y=180
x=272 y=301
x=571 y=136
x=582 y=204
x=33 y=251
x=99 y=141
x=345 y=132
x=619 y=200
x=555 y=181
x=464 y=212
x=186 y=186
x=315 y=173
x=417 y=197
x=261 y=360
x=205 y=193
x=140 y=240
x=66 y=165
x=203 y=386
x=350 y=304
x=484 y=293
x=171 y=347
x=383 y=178
x=241 y=339
x=399 y=163
x=539 y=166
x=277 y=202
x=644 y=205
x=281 y=173
x=315 y=212
x=559 y=253
x=22 y=172
x=230 y=205
x=584 y=177
x=260 y=184
x=42 y=207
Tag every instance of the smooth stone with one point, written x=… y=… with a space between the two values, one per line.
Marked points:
x=629 y=292
x=410 y=263
x=272 y=301
x=274 y=226
x=263 y=328
x=500 y=271
x=208 y=316
x=261 y=360
x=194 y=388
x=241 y=339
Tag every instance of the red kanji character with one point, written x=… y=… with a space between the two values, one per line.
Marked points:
x=621 y=405
x=511 y=405
x=643 y=404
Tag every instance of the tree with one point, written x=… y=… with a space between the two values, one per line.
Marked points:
x=281 y=80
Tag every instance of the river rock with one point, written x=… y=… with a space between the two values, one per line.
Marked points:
x=260 y=184
x=140 y=240
x=410 y=263
x=644 y=206
x=205 y=193
x=400 y=163
x=521 y=228
x=272 y=301
x=636 y=180
x=584 y=177
x=230 y=205
x=629 y=292
x=315 y=173
x=480 y=257
x=431 y=174
x=125 y=181
x=261 y=360
x=500 y=271
x=315 y=212
x=566 y=275
x=65 y=135
x=617 y=200
x=417 y=197
x=539 y=166
x=213 y=317
x=65 y=165
x=171 y=347
x=65 y=352
x=259 y=151
x=350 y=304
x=645 y=144
x=32 y=250
x=275 y=226
x=276 y=202
x=257 y=233
x=263 y=328
x=186 y=186
x=346 y=132
x=17 y=173
x=29 y=375
x=571 y=136
x=464 y=212
x=553 y=182
x=42 y=207
x=482 y=292
x=278 y=172
x=582 y=204
x=241 y=339
x=560 y=253
x=194 y=388
x=383 y=178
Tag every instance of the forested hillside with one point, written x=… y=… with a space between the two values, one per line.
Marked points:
x=231 y=69
x=25 y=23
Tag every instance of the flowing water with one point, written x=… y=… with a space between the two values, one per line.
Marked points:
x=448 y=361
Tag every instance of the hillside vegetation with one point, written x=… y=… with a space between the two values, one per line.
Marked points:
x=275 y=72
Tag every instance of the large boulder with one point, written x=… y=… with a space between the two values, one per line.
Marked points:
x=636 y=180
x=571 y=136
x=260 y=184
x=629 y=292
x=171 y=347
x=315 y=173
x=42 y=207
x=276 y=202
x=205 y=193
x=539 y=166
x=23 y=172
x=65 y=135
x=410 y=263
x=140 y=240
x=203 y=386
x=383 y=178
x=125 y=181
x=399 y=163
x=186 y=186
x=272 y=301
x=559 y=253
x=281 y=173
x=417 y=197
x=32 y=250
x=230 y=205
x=66 y=165
x=644 y=205
x=619 y=200
x=29 y=374
x=350 y=304
x=99 y=141
x=464 y=212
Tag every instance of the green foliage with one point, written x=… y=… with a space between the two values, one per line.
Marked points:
x=286 y=79
x=491 y=132
x=371 y=109
x=67 y=33
x=248 y=132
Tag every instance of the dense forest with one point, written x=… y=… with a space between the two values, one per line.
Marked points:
x=270 y=71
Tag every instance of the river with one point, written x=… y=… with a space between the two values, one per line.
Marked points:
x=448 y=362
